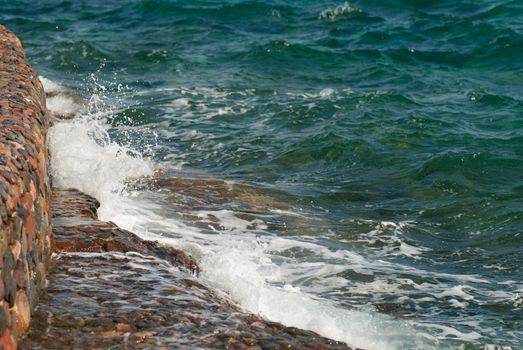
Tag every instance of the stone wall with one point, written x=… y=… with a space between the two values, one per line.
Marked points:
x=25 y=228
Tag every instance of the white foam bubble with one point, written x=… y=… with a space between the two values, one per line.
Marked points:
x=51 y=86
x=83 y=156
x=79 y=161
x=180 y=102
x=59 y=100
x=249 y=264
x=457 y=291
x=62 y=104
x=391 y=233
x=241 y=265
x=335 y=13
x=446 y=331
x=326 y=92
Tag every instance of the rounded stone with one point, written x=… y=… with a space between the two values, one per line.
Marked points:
x=9 y=287
x=5 y=308
x=19 y=274
x=23 y=312
x=3 y=320
x=42 y=274
x=15 y=249
x=7 y=341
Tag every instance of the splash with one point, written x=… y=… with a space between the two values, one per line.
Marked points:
x=59 y=100
x=84 y=156
x=245 y=264
x=338 y=12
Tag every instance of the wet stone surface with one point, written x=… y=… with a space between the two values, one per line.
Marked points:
x=129 y=301
x=25 y=227
x=138 y=295
x=77 y=229
x=194 y=196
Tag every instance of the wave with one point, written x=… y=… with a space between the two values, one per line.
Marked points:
x=237 y=12
x=83 y=156
x=244 y=263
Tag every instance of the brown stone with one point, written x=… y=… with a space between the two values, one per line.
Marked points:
x=77 y=229
x=23 y=311
x=42 y=272
x=7 y=277
x=19 y=274
x=3 y=320
x=23 y=182
x=141 y=336
x=15 y=326
x=123 y=328
x=134 y=299
x=111 y=333
x=7 y=341
x=5 y=307
x=76 y=245
x=15 y=249
x=30 y=228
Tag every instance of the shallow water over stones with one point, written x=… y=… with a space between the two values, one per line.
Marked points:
x=111 y=290
x=77 y=229
x=115 y=300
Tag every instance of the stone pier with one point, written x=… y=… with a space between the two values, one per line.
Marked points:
x=25 y=227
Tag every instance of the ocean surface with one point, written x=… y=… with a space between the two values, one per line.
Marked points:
x=351 y=168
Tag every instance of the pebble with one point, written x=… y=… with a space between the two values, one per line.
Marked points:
x=23 y=163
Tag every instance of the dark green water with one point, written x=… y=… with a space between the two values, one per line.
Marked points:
x=396 y=126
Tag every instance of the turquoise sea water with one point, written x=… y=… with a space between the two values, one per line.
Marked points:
x=393 y=128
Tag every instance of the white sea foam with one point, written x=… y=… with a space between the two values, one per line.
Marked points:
x=391 y=233
x=242 y=265
x=236 y=262
x=59 y=101
x=326 y=92
x=63 y=104
x=83 y=156
x=94 y=167
x=252 y=266
x=248 y=268
x=335 y=13
x=322 y=94
x=51 y=86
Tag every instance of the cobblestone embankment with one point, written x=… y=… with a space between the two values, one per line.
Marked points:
x=25 y=227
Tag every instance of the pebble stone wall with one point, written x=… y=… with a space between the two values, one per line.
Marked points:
x=25 y=227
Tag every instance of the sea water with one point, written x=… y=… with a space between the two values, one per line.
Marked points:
x=353 y=168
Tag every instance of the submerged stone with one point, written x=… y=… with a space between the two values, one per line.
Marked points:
x=111 y=289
